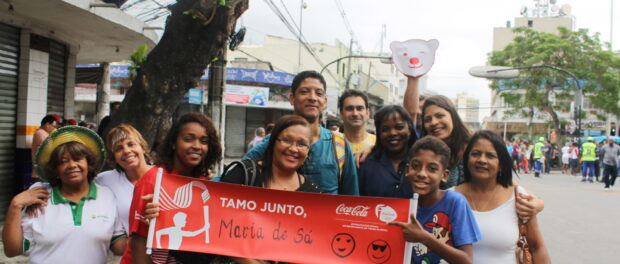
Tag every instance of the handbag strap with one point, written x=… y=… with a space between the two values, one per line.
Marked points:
x=521 y=223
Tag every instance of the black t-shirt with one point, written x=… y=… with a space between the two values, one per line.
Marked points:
x=237 y=176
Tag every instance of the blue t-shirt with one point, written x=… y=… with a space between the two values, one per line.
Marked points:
x=321 y=167
x=450 y=220
x=509 y=149
x=378 y=178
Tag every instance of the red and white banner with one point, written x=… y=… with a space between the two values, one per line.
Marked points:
x=235 y=220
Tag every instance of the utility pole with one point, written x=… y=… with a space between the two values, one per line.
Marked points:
x=349 y=63
x=103 y=92
x=215 y=107
x=368 y=79
x=383 y=35
x=301 y=9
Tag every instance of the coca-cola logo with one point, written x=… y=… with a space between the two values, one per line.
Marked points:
x=358 y=210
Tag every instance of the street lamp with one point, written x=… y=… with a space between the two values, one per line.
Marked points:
x=384 y=59
x=502 y=72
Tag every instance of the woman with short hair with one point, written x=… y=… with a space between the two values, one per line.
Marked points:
x=80 y=222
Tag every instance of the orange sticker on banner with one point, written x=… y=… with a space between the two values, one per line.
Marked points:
x=235 y=220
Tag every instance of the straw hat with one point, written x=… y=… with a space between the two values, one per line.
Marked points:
x=63 y=135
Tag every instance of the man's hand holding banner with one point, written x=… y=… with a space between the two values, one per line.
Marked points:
x=235 y=220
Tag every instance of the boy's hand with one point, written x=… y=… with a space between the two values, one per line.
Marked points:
x=413 y=232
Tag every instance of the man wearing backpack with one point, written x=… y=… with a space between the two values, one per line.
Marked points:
x=331 y=164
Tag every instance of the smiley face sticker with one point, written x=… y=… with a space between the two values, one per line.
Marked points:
x=379 y=251
x=343 y=245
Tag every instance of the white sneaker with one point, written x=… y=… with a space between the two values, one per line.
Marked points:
x=607 y=189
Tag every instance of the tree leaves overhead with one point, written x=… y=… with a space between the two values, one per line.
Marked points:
x=550 y=90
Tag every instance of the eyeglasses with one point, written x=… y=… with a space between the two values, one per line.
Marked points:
x=289 y=143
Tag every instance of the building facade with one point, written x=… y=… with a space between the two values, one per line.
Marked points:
x=41 y=42
x=511 y=125
x=467 y=107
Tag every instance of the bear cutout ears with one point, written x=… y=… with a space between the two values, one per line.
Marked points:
x=414 y=57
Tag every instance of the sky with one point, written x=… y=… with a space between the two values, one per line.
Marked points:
x=464 y=30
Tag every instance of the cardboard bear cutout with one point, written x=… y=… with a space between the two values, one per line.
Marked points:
x=414 y=57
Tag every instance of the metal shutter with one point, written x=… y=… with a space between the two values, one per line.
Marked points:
x=9 y=59
x=235 y=132
x=56 y=79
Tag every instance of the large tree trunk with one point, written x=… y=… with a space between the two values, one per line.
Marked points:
x=530 y=119
x=196 y=33
x=547 y=107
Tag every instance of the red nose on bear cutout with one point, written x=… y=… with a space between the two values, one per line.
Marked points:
x=414 y=57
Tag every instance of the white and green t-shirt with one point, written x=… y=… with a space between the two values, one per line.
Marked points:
x=71 y=232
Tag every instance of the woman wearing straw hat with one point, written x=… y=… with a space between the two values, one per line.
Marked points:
x=80 y=217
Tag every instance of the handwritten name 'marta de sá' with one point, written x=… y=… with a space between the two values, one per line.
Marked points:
x=277 y=208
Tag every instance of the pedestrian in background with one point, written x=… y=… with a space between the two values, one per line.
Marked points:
x=269 y=128
x=526 y=152
x=588 y=158
x=515 y=155
x=538 y=157
x=48 y=124
x=548 y=155
x=565 y=158
x=259 y=135
x=597 y=162
x=103 y=125
x=574 y=159
x=610 y=153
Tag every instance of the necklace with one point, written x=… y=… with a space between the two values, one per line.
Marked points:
x=477 y=206
x=287 y=187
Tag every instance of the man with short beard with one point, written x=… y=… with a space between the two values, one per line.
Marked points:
x=309 y=99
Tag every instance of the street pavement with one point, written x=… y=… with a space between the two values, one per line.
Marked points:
x=580 y=222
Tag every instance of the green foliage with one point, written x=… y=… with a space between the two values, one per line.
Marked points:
x=226 y=3
x=137 y=58
x=577 y=52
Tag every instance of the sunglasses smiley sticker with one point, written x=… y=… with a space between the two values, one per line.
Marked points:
x=343 y=245
x=379 y=251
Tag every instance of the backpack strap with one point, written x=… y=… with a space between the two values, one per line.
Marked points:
x=250 y=170
x=339 y=151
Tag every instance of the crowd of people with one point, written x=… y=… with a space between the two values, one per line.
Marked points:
x=465 y=181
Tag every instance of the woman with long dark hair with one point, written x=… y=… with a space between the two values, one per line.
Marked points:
x=287 y=150
x=191 y=148
x=490 y=190
x=441 y=120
